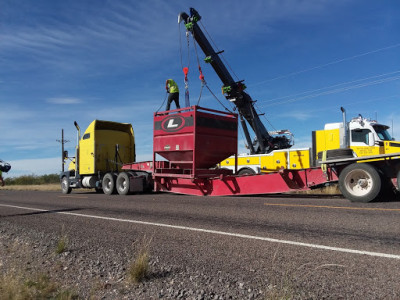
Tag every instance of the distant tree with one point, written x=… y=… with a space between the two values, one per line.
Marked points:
x=33 y=179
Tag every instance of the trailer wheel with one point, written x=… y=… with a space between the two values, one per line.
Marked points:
x=360 y=182
x=246 y=171
x=109 y=184
x=65 y=188
x=123 y=183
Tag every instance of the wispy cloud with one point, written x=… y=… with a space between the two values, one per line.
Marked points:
x=298 y=115
x=117 y=35
x=64 y=100
x=34 y=166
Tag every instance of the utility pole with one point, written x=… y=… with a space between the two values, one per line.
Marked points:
x=62 y=141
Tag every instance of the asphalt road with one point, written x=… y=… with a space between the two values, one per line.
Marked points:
x=316 y=247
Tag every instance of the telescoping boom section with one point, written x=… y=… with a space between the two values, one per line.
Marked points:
x=192 y=141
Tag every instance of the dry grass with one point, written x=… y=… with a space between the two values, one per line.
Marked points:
x=328 y=190
x=21 y=278
x=62 y=242
x=42 y=187
x=139 y=267
x=281 y=286
x=16 y=286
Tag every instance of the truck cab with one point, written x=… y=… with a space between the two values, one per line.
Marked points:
x=364 y=136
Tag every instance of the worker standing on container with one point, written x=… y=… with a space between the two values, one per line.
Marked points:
x=173 y=90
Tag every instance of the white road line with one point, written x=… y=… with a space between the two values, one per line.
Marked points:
x=245 y=236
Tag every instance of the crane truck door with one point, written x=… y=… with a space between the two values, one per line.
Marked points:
x=362 y=142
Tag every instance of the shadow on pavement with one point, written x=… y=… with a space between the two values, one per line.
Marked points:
x=42 y=212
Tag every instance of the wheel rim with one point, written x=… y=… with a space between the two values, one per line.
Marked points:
x=107 y=183
x=359 y=183
x=64 y=184
x=122 y=184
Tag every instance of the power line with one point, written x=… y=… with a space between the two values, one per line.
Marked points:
x=327 y=64
x=363 y=101
x=331 y=86
x=335 y=91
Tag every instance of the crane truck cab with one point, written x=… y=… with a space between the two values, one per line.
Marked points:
x=364 y=136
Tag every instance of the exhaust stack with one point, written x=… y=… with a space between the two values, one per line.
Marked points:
x=345 y=142
x=77 y=147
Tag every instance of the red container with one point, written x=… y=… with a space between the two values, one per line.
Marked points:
x=194 y=137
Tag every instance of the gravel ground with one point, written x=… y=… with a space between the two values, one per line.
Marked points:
x=91 y=272
x=193 y=265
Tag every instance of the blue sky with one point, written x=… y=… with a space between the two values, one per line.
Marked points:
x=62 y=61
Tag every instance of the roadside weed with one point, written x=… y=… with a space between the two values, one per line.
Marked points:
x=139 y=267
x=62 y=242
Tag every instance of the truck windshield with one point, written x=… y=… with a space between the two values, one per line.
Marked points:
x=382 y=132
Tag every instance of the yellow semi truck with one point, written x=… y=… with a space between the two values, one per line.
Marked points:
x=100 y=153
x=359 y=137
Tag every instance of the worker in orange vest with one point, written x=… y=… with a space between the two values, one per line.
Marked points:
x=173 y=90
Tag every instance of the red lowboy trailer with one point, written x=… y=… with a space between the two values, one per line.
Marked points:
x=194 y=140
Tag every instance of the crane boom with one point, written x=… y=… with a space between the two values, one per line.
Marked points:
x=234 y=92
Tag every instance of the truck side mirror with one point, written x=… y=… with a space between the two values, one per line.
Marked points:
x=65 y=154
x=371 y=139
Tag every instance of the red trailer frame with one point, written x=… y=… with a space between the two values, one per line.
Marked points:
x=189 y=171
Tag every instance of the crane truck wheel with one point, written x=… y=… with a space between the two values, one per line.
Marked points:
x=65 y=188
x=108 y=184
x=360 y=182
x=123 y=183
x=246 y=171
x=398 y=181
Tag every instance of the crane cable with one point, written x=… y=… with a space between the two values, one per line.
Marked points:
x=165 y=98
x=216 y=47
x=201 y=76
x=185 y=69
x=218 y=99
x=203 y=82
x=230 y=68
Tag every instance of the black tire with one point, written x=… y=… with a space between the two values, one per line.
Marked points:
x=398 y=181
x=246 y=171
x=337 y=154
x=108 y=184
x=360 y=182
x=122 y=183
x=65 y=188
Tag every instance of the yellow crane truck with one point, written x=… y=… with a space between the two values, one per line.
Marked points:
x=359 y=137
